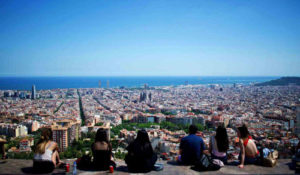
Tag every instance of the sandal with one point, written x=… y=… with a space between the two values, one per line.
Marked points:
x=62 y=165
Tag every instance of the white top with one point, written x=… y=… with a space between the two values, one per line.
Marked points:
x=215 y=149
x=46 y=156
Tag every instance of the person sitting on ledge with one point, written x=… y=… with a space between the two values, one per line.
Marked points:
x=102 y=151
x=2 y=149
x=140 y=157
x=46 y=156
x=219 y=144
x=191 y=147
x=249 y=153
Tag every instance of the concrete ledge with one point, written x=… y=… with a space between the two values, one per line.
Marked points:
x=17 y=166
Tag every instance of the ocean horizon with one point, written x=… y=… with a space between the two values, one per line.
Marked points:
x=65 y=82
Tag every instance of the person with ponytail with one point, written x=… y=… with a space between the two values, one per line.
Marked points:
x=46 y=156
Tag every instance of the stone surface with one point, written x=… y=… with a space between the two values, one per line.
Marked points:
x=16 y=166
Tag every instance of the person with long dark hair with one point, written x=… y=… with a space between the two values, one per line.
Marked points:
x=46 y=156
x=219 y=144
x=249 y=153
x=140 y=157
x=102 y=151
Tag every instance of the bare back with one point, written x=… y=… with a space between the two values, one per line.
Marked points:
x=100 y=146
x=250 y=148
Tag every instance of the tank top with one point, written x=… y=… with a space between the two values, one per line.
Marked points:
x=246 y=143
x=215 y=150
x=47 y=154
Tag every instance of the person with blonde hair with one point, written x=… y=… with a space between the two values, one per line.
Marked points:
x=46 y=156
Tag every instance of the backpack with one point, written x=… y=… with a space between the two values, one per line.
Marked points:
x=84 y=163
x=205 y=163
x=271 y=159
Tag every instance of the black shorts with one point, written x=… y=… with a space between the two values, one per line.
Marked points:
x=43 y=166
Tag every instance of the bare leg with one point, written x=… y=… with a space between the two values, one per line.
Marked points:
x=55 y=159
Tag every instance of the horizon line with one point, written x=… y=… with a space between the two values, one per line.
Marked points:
x=45 y=76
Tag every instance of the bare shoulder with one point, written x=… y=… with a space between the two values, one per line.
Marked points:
x=241 y=141
x=100 y=145
x=53 y=145
x=252 y=142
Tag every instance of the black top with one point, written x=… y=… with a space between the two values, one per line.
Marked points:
x=102 y=158
x=140 y=157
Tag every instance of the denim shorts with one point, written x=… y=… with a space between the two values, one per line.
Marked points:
x=250 y=160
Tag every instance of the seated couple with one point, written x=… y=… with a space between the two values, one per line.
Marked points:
x=140 y=157
x=46 y=157
x=192 y=146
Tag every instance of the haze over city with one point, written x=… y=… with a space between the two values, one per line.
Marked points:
x=150 y=38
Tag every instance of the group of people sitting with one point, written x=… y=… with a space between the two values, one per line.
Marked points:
x=192 y=147
x=141 y=157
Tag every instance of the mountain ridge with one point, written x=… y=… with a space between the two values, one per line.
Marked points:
x=282 y=81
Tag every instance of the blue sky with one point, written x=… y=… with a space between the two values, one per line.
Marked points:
x=144 y=38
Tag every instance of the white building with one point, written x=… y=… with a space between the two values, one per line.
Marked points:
x=21 y=131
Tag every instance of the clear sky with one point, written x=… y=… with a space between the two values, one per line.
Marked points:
x=144 y=38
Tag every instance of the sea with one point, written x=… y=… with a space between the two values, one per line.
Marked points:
x=41 y=83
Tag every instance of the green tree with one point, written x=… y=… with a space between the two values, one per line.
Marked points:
x=115 y=144
x=99 y=124
x=120 y=155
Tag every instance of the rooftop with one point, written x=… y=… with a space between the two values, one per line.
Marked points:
x=17 y=166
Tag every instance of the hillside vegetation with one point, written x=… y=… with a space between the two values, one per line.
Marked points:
x=283 y=81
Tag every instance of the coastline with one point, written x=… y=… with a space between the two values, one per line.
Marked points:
x=48 y=83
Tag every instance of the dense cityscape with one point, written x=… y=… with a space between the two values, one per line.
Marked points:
x=152 y=87
x=272 y=114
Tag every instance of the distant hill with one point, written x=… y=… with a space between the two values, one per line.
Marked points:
x=283 y=81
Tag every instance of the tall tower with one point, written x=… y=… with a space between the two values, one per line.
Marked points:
x=99 y=83
x=145 y=86
x=150 y=96
x=107 y=84
x=33 y=92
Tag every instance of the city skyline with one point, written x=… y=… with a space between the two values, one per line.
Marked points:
x=157 y=38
